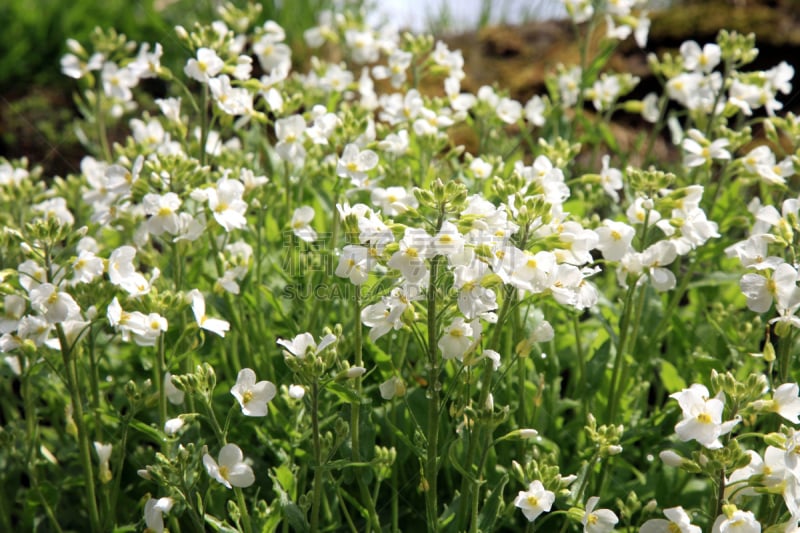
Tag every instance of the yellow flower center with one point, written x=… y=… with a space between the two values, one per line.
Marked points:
x=247 y=397
x=704 y=418
x=224 y=472
x=533 y=501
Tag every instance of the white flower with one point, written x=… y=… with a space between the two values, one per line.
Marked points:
x=56 y=306
x=121 y=271
x=103 y=458
x=392 y=388
x=410 y=258
x=615 y=239
x=296 y=392
x=154 y=325
x=225 y=201
x=174 y=394
x=117 y=82
x=697 y=59
x=171 y=108
x=599 y=521
x=579 y=10
x=153 y=511
x=699 y=151
x=393 y=200
x=781 y=285
x=702 y=417
x=55 y=209
x=231 y=470
x=354 y=263
x=304 y=343
x=87 y=267
x=786 y=402
x=207 y=65
x=509 y=111
x=679 y=522
x=494 y=357
x=355 y=164
x=252 y=396
x=456 y=340
x=534 y=110
x=301 y=223
x=214 y=325
x=610 y=179
x=737 y=522
x=395 y=143
x=163 y=210
x=290 y=132
x=173 y=425
x=231 y=100
x=535 y=501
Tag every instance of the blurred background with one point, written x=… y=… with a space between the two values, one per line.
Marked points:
x=508 y=42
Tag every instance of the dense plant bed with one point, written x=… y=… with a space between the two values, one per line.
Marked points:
x=292 y=299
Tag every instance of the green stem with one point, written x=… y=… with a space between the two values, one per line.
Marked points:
x=101 y=125
x=84 y=449
x=470 y=487
x=720 y=494
x=248 y=528
x=431 y=463
x=785 y=356
x=204 y=125
x=355 y=411
x=581 y=392
x=613 y=395
x=316 y=441
x=32 y=438
x=159 y=380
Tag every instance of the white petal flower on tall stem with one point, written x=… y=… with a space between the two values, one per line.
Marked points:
x=154 y=510
x=231 y=470
x=534 y=501
x=214 y=325
x=702 y=417
x=304 y=343
x=207 y=65
x=598 y=521
x=301 y=223
x=456 y=339
x=678 y=521
x=252 y=396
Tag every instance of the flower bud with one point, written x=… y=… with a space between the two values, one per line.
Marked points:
x=671 y=458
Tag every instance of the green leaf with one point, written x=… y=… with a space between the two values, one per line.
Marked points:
x=492 y=507
x=671 y=379
x=596 y=368
x=344 y=393
x=219 y=525
x=148 y=431
x=608 y=136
